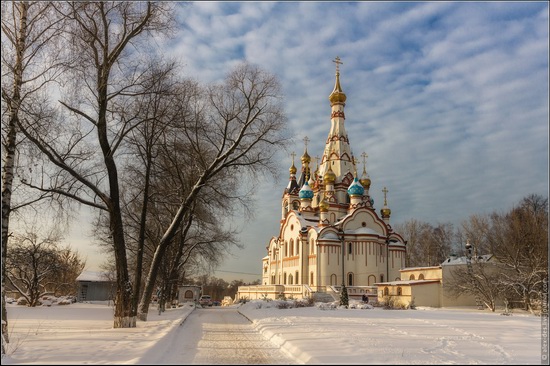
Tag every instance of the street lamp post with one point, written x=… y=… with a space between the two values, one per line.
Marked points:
x=344 y=301
x=341 y=237
x=471 y=271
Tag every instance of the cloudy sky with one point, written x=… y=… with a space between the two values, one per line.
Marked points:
x=448 y=99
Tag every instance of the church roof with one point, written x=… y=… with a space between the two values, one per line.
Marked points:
x=463 y=260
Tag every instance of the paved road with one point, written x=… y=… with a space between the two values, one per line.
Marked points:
x=220 y=336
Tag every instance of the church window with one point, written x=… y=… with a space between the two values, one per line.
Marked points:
x=381 y=278
x=399 y=291
x=297 y=276
x=295 y=205
x=421 y=276
x=273 y=279
x=311 y=279
x=291 y=249
x=411 y=277
x=363 y=224
x=350 y=248
x=284 y=279
x=290 y=279
x=372 y=280
x=286 y=249
x=350 y=279
x=386 y=291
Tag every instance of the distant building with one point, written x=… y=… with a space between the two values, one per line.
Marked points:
x=189 y=293
x=429 y=286
x=330 y=232
x=94 y=286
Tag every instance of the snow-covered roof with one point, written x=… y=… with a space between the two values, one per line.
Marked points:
x=419 y=268
x=93 y=276
x=463 y=260
x=364 y=230
x=406 y=283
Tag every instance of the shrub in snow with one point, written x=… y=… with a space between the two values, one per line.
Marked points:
x=327 y=306
x=22 y=301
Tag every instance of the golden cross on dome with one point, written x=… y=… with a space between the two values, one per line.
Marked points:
x=385 y=190
x=338 y=63
x=293 y=154
x=365 y=156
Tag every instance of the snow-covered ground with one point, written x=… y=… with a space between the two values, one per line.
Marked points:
x=82 y=333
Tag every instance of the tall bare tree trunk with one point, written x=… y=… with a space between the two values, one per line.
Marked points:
x=13 y=103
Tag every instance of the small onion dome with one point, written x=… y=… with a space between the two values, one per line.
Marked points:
x=306 y=158
x=337 y=95
x=355 y=188
x=365 y=181
x=329 y=176
x=292 y=169
x=386 y=212
x=323 y=206
x=305 y=192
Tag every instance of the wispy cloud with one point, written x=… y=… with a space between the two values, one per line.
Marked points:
x=449 y=99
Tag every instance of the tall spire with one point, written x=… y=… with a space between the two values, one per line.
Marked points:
x=337 y=96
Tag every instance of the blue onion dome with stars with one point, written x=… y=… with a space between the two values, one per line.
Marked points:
x=306 y=192
x=355 y=188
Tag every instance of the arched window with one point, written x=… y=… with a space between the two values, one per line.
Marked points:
x=386 y=291
x=311 y=279
x=284 y=279
x=350 y=279
x=372 y=280
x=290 y=279
x=297 y=247
x=399 y=291
x=312 y=245
x=421 y=276
x=286 y=249
x=295 y=205
x=291 y=249
x=411 y=277
x=350 y=248
x=188 y=294
x=381 y=278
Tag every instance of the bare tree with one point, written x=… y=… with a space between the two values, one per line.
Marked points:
x=30 y=60
x=481 y=282
x=239 y=129
x=36 y=266
x=426 y=245
x=105 y=38
x=519 y=240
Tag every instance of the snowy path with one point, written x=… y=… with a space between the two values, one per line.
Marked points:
x=226 y=337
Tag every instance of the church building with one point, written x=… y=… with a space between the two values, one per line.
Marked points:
x=330 y=231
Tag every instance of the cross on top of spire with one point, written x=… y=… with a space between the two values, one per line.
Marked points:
x=293 y=154
x=338 y=63
x=306 y=140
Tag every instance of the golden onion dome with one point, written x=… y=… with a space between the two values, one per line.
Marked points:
x=337 y=95
x=292 y=169
x=323 y=206
x=306 y=158
x=386 y=212
x=329 y=176
x=365 y=182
